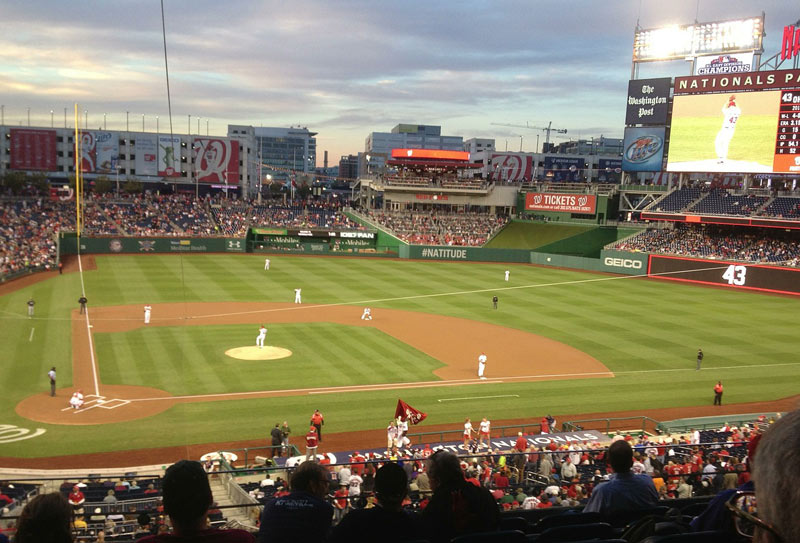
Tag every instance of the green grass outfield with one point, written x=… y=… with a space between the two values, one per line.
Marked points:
x=647 y=331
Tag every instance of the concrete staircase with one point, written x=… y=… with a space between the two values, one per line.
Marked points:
x=220 y=492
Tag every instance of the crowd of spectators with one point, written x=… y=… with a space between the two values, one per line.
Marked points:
x=422 y=493
x=438 y=228
x=28 y=226
x=27 y=233
x=719 y=242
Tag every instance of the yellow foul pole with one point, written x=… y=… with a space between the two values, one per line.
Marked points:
x=78 y=177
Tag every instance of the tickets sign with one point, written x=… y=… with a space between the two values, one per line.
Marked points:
x=585 y=204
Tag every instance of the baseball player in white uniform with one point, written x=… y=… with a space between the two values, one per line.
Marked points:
x=262 y=334
x=367 y=314
x=481 y=365
x=297 y=299
x=730 y=113
x=266 y=264
x=76 y=402
x=507 y=274
x=147 y=310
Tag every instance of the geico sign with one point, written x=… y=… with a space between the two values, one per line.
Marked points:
x=623 y=263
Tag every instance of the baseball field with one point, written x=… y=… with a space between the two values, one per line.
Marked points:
x=560 y=341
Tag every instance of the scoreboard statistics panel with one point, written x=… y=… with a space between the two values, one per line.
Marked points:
x=736 y=123
x=738 y=275
x=787 y=142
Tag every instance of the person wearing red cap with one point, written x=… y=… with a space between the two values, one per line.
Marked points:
x=731 y=113
x=481 y=365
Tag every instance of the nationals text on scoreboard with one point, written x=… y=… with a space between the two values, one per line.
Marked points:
x=771 y=98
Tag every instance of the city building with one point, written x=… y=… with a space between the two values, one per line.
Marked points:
x=379 y=145
x=476 y=145
x=348 y=167
x=177 y=162
x=280 y=151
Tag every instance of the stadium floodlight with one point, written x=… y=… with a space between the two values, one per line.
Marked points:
x=682 y=41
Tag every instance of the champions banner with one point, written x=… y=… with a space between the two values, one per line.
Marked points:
x=585 y=204
x=406 y=412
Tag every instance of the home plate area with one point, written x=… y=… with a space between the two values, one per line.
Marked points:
x=93 y=400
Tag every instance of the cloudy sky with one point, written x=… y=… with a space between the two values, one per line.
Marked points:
x=343 y=68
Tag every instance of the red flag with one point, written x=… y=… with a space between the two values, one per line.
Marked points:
x=406 y=412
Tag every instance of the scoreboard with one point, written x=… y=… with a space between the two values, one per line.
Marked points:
x=787 y=142
x=736 y=123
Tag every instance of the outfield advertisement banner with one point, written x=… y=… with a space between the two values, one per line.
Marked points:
x=99 y=151
x=32 y=149
x=216 y=160
x=623 y=262
x=146 y=150
x=585 y=204
x=169 y=153
x=643 y=149
x=648 y=101
x=513 y=167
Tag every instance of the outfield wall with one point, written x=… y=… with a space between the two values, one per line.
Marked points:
x=620 y=262
x=120 y=245
x=468 y=254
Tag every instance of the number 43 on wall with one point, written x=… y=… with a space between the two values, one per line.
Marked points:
x=735 y=275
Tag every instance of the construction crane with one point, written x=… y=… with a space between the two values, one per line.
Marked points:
x=546 y=129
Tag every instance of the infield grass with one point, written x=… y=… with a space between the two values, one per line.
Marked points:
x=647 y=331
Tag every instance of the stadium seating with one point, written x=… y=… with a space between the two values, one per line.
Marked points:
x=677 y=200
x=723 y=202
x=713 y=241
x=783 y=207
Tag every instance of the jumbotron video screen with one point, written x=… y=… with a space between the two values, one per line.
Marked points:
x=743 y=123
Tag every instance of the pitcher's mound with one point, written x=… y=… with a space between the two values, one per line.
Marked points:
x=254 y=353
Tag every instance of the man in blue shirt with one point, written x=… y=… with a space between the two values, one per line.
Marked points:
x=624 y=491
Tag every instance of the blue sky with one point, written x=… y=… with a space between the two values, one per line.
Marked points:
x=344 y=68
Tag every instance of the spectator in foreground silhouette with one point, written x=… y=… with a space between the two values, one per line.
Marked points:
x=387 y=518
x=775 y=476
x=457 y=507
x=303 y=514
x=45 y=519
x=624 y=491
x=187 y=498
